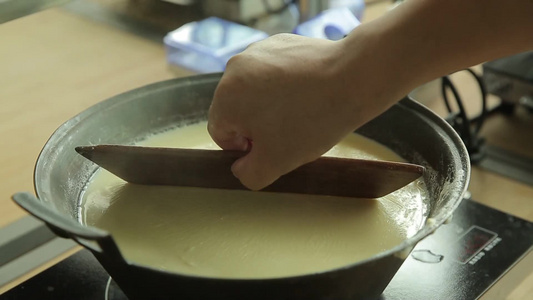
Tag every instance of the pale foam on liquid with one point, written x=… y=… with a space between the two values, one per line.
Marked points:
x=243 y=234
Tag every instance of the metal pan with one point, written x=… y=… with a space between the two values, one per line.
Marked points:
x=408 y=128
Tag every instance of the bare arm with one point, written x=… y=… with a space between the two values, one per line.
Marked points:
x=424 y=39
x=289 y=99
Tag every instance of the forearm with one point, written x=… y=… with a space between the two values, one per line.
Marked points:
x=288 y=99
x=424 y=39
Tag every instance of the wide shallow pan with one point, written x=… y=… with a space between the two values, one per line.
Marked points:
x=408 y=128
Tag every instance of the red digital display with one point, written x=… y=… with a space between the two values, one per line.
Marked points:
x=472 y=242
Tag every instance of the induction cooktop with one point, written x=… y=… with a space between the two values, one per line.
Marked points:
x=461 y=260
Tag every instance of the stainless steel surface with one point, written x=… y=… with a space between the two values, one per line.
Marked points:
x=527 y=101
x=22 y=236
x=509 y=89
x=241 y=10
x=33 y=259
x=226 y=9
x=511 y=78
x=126 y=22
x=181 y=2
x=13 y=9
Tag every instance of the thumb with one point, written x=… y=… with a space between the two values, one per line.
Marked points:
x=254 y=171
x=227 y=139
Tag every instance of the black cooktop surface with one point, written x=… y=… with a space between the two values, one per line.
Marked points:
x=461 y=260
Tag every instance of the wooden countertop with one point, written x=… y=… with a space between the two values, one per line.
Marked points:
x=56 y=64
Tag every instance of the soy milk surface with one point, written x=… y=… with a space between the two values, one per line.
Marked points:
x=244 y=234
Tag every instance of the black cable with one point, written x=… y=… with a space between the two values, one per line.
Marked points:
x=481 y=118
x=444 y=95
x=459 y=120
x=463 y=121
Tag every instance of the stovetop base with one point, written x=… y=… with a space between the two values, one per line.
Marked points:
x=461 y=260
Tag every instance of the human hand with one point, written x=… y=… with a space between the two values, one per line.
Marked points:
x=288 y=101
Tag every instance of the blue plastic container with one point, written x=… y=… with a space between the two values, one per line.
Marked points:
x=206 y=46
x=331 y=24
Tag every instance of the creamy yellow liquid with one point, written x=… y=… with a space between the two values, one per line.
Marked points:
x=243 y=234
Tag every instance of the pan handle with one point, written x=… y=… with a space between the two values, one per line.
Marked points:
x=97 y=240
